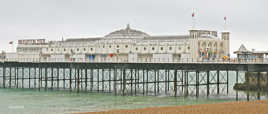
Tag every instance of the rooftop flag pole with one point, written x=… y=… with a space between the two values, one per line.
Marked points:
x=193 y=19
x=11 y=43
x=225 y=23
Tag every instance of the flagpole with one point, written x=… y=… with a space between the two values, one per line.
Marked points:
x=193 y=19
x=225 y=23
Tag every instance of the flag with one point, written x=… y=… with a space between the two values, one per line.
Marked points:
x=193 y=14
x=111 y=55
x=11 y=42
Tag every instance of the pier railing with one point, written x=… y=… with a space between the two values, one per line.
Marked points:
x=186 y=60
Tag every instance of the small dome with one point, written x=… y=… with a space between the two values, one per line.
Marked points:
x=127 y=33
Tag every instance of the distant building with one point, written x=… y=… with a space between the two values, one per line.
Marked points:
x=31 y=49
x=129 y=45
x=246 y=55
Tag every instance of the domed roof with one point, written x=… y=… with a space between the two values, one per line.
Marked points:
x=127 y=33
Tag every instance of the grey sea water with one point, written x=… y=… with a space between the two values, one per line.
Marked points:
x=29 y=101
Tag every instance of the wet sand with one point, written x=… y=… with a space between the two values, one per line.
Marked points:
x=252 y=107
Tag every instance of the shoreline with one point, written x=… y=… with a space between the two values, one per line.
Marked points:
x=238 y=107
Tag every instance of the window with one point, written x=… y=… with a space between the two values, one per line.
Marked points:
x=51 y=50
x=144 y=48
x=170 y=48
x=126 y=46
x=188 y=48
x=137 y=48
x=85 y=49
x=110 y=46
x=103 y=46
x=64 y=49
x=117 y=46
x=77 y=49
x=91 y=49
x=179 y=48
x=152 y=48
x=161 y=48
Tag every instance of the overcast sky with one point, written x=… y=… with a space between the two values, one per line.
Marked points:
x=52 y=19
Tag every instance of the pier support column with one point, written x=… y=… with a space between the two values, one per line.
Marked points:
x=45 y=78
x=109 y=80
x=98 y=80
x=158 y=81
x=102 y=80
x=115 y=81
x=10 y=70
x=143 y=82
x=155 y=80
x=91 y=79
x=4 y=77
x=227 y=82
x=165 y=75
x=136 y=83
x=182 y=81
x=147 y=82
x=70 y=79
x=58 y=79
x=208 y=82
x=63 y=73
x=258 y=86
x=30 y=78
x=39 y=78
x=17 y=77
x=131 y=82
x=197 y=84
x=78 y=79
x=175 y=83
x=267 y=79
x=35 y=78
x=52 y=78
x=86 y=79
x=218 y=82
x=168 y=81
x=186 y=92
x=237 y=83
x=124 y=81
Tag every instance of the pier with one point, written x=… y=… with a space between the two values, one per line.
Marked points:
x=173 y=79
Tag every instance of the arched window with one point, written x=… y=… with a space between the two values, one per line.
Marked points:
x=152 y=48
x=126 y=46
x=161 y=48
x=170 y=48
x=144 y=48
x=221 y=44
x=204 y=44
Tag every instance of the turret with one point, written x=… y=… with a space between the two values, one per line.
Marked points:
x=194 y=33
x=225 y=35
